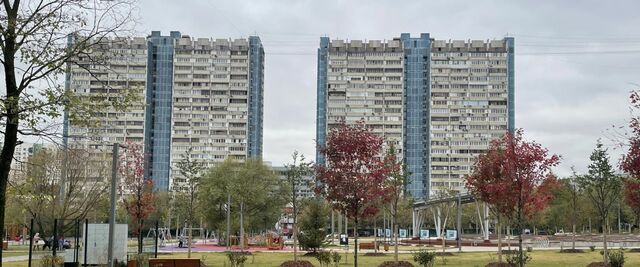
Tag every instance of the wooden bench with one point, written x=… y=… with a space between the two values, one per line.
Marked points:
x=369 y=245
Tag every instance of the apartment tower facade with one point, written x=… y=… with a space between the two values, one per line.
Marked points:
x=439 y=102
x=195 y=93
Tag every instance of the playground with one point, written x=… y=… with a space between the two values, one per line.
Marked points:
x=207 y=241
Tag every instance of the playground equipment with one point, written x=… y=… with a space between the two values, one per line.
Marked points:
x=195 y=232
x=163 y=233
x=274 y=241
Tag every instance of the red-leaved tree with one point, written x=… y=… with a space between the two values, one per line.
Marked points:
x=632 y=197
x=353 y=177
x=136 y=191
x=514 y=177
x=631 y=161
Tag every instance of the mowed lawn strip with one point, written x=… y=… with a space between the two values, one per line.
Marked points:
x=467 y=259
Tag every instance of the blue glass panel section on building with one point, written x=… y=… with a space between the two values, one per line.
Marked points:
x=511 y=83
x=158 y=111
x=256 y=96
x=416 y=113
x=321 y=112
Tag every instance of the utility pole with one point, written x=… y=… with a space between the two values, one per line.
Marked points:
x=112 y=214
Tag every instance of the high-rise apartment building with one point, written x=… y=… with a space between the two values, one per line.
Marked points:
x=199 y=93
x=439 y=102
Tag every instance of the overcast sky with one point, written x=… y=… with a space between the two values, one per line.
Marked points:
x=575 y=61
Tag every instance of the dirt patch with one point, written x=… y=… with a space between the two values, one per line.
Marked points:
x=310 y=254
x=498 y=264
x=635 y=250
x=598 y=264
x=570 y=250
x=396 y=264
x=296 y=264
x=374 y=254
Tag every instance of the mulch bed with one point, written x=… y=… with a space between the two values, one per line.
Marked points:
x=598 y=264
x=374 y=254
x=634 y=250
x=572 y=250
x=310 y=254
x=296 y=264
x=498 y=264
x=396 y=264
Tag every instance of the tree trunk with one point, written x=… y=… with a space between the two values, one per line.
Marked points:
x=498 y=228
x=521 y=252
x=604 y=237
x=375 y=235
x=140 y=224
x=12 y=109
x=295 y=235
x=242 y=226
x=573 y=237
x=189 y=241
x=395 y=233
x=355 y=242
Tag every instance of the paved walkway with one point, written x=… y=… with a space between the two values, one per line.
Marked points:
x=19 y=258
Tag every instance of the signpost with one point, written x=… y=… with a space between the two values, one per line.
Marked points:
x=424 y=234
x=403 y=233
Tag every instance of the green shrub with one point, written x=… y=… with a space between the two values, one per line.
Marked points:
x=592 y=248
x=425 y=258
x=616 y=258
x=237 y=259
x=336 y=257
x=529 y=249
x=514 y=258
x=48 y=261
x=324 y=257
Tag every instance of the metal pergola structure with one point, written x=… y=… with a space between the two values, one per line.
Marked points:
x=419 y=207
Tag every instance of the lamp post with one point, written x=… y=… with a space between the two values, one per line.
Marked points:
x=112 y=214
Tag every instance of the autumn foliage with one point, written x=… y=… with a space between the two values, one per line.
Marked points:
x=514 y=177
x=630 y=163
x=353 y=179
x=136 y=191
x=513 y=172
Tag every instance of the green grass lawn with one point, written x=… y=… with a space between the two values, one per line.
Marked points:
x=469 y=259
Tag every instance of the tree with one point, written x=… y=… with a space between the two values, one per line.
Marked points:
x=296 y=173
x=396 y=182
x=514 y=176
x=39 y=193
x=630 y=163
x=313 y=223
x=574 y=191
x=253 y=188
x=34 y=41
x=190 y=171
x=632 y=197
x=602 y=187
x=136 y=191
x=354 y=177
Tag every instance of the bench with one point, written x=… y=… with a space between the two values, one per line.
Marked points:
x=368 y=245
